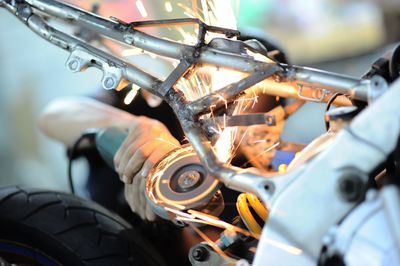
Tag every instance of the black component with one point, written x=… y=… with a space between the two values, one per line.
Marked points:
x=89 y=135
x=328 y=106
x=379 y=67
x=67 y=229
x=351 y=187
x=346 y=112
x=200 y=253
x=327 y=259
x=394 y=64
x=392 y=167
x=387 y=66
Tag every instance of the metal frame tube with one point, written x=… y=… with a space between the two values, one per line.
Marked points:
x=188 y=114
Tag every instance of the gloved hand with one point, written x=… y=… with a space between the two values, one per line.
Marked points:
x=147 y=142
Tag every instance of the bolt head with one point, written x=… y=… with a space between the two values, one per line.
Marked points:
x=200 y=253
x=350 y=187
x=109 y=83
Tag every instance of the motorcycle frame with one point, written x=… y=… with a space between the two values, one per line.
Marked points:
x=322 y=176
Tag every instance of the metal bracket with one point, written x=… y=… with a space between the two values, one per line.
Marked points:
x=318 y=99
x=240 y=120
x=80 y=59
x=181 y=70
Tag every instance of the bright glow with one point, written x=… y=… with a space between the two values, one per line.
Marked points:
x=208 y=240
x=225 y=143
x=219 y=13
x=140 y=7
x=204 y=6
x=206 y=79
x=168 y=6
x=215 y=221
x=131 y=95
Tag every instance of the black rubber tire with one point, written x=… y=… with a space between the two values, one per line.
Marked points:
x=71 y=230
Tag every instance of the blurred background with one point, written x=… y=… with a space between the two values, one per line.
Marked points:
x=344 y=36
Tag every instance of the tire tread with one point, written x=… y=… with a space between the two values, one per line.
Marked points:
x=60 y=214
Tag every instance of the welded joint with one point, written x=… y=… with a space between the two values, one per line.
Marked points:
x=232 y=91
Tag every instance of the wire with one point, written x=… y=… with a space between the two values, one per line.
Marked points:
x=328 y=106
x=90 y=135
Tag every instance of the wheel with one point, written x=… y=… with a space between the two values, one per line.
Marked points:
x=40 y=227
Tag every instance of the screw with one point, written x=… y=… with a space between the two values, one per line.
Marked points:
x=108 y=83
x=200 y=253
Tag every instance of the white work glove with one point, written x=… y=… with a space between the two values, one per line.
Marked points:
x=147 y=142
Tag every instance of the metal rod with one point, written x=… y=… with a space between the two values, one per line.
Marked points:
x=130 y=72
x=142 y=40
x=353 y=87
